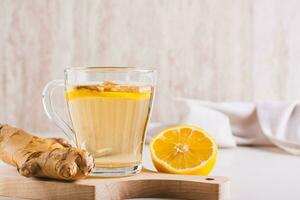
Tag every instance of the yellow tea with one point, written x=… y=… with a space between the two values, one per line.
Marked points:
x=110 y=121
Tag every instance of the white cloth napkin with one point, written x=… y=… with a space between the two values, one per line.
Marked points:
x=238 y=123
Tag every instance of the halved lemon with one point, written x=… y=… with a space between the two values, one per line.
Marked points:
x=184 y=149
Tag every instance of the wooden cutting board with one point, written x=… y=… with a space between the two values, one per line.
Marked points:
x=146 y=184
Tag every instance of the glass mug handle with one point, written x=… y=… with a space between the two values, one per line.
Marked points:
x=51 y=112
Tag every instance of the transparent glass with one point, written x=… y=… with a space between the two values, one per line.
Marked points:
x=110 y=109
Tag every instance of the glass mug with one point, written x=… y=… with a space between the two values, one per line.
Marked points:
x=109 y=108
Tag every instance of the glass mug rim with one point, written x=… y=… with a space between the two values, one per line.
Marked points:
x=111 y=69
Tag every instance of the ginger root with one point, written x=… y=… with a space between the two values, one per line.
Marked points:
x=37 y=157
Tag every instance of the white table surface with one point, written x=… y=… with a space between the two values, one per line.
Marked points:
x=255 y=173
x=260 y=173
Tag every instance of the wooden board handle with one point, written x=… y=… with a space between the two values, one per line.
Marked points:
x=153 y=184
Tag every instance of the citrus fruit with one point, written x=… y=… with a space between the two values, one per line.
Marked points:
x=184 y=149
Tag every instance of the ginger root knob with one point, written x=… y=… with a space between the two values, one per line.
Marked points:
x=36 y=157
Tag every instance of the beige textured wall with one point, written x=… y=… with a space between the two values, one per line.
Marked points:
x=213 y=50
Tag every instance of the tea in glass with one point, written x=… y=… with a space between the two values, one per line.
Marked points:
x=110 y=120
